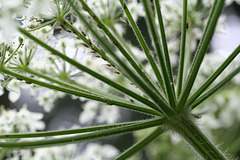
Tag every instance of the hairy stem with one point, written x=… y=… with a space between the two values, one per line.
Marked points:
x=186 y=128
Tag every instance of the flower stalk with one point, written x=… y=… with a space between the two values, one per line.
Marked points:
x=197 y=140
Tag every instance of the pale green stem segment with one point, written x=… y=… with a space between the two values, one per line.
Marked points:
x=162 y=105
x=188 y=53
x=212 y=78
x=91 y=72
x=120 y=47
x=43 y=25
x=69 y=131
x=3 y=53
x=3 y=153
x=166 y=72
x=141 y=144
x=201 y=50
x=214 y=89
x=196 y=139
x=10 y=57
x=81 y=137
x=182 y=49
x=143 y=45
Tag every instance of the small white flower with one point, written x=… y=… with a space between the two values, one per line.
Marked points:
x=42 y=9
x=89 y=112
x=136 y=9
x=14 y=90
x=211 y=122
x=19 y=122
x=109 y=114
x=32 y=119
x=47 y=97
x=66 y=152
x=95 y=151
x=9 y=10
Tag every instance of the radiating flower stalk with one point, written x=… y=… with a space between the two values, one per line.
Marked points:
x=115 y=75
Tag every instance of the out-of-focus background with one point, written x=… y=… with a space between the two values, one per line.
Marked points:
x=66 y=110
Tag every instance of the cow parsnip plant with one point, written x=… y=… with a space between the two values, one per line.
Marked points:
x=169 y=103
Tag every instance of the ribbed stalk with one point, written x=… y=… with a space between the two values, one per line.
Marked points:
x=186 y=128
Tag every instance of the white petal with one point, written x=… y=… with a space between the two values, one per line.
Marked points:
x=13 y=96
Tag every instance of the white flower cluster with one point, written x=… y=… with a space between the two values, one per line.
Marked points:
x=108 y=113
x=92 y=151
x=109 y=11
x=9 y=11
x=22 y=121
x=61 y=153
x=224 y=111
x=98 y=152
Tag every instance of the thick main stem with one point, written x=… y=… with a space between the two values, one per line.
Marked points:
x=186 y=128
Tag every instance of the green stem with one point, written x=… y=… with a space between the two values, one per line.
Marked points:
x=81 y=137
x=125 y=45
x=201 y=50
x=183 y=45
x=166 y=71
x=214 y=89
x=164 y=40
x=132 y=62
x=185 y=127
x=10 y=57
x=141 y=144
x=68 y=131
x=42 y=25
x=93 y=73
x=143 y=45
x=90 y=44
x=211 y=79
x=78 y=92
x=188 y=54
x=140 y=65
x=140 y=79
